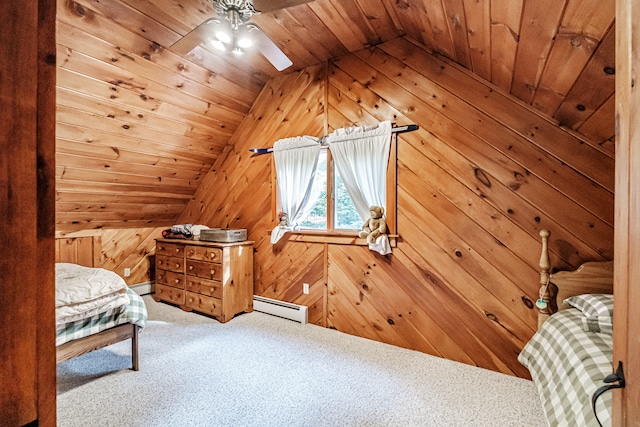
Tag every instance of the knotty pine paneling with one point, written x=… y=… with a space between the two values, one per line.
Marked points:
x=135 y=118
x=137 y=126
x=476 y=183
x=113 y=249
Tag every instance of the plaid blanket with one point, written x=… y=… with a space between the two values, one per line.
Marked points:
x=135 y=312
x=567 y=365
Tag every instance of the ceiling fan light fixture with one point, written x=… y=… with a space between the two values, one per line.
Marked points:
x=223 y=36
x=237 y=51
x=244 y=42
x=217 y=44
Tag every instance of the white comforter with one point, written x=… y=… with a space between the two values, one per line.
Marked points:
x=84 y=292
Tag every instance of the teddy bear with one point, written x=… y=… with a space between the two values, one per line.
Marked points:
x=375 y=225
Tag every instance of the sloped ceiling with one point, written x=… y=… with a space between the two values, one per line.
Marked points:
x=139 y=126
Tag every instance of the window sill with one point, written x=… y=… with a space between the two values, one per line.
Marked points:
x=335 y=238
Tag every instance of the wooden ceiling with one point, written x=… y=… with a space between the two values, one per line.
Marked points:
x=139 y=126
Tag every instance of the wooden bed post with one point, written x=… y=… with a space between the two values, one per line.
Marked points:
x=546 y=302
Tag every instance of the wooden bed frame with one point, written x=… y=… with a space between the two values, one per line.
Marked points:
x=556 y=288
x=81 y=346
x=86 y=250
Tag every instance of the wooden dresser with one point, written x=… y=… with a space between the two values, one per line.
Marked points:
x=208 y=277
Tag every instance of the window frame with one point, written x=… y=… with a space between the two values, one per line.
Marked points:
x=339 y=236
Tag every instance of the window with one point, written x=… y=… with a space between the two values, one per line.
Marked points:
x=322 y=204
x=345 y=215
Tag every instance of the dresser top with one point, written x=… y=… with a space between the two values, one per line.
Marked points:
x=206 y=243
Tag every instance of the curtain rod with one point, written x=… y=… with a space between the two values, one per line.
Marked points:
x=397 y=129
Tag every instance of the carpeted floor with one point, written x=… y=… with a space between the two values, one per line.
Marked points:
x=260 y=370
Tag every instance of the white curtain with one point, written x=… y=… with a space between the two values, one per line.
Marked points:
x=296 y=160
x=361 y=156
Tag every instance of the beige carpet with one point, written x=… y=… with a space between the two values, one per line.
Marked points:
x=260 y=370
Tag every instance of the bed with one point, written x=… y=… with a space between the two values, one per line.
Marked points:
x=571 y=353
x=95 y=308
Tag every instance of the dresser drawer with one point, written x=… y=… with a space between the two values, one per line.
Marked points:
x=170 y=263
x=210 y=288
x=204 y=304
x=170 y=294
x=170 y=278
x=205 y=270
x=169 y=249
x=203 y=253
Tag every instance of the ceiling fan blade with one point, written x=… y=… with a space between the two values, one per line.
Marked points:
x=193 y=38
x=269 y=49
x=271 y=5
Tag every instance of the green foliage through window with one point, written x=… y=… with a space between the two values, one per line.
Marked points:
x=346 y=215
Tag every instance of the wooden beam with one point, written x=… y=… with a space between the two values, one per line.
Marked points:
x=626 y=410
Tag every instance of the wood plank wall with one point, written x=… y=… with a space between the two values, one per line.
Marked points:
x=113 y=249
x=476 y=183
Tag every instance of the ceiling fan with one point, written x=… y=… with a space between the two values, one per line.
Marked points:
x=231 y=31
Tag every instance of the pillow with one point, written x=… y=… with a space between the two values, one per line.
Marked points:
x=597 y=310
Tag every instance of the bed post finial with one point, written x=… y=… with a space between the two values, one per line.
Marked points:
x=545 y=264
x=546 y=301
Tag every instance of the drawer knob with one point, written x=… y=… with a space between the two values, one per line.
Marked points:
x=213 y=290
x=177 y=250
x=191 y=267
x=177 y=280
x=213 y=272
x=177 y=265
x=161 y=248
x=212 y=255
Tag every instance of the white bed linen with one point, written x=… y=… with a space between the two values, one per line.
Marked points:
x=84 y=292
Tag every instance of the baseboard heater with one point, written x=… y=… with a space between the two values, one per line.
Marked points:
x=287 y=310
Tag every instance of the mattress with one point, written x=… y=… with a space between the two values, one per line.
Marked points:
x=134 y=312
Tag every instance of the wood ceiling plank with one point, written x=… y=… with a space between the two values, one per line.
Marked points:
x=505 y=32
x=539 y=26
x=413 y=21
x=117 y=152
x=94 y=187
x=166 y=13
x=457 y=22
x=107 y=209
x=583 y=26
x=594 y=86
x=93 y=175
x=81 y=119
x=327 y=13
x=379 y=18
x=127 y=40
x=118 y=144
x=93 y=105
x=78 y=198
x=601 y=125
x=478 y=18
x=133 y=102
x=352 y=12
x=314 y=28
x=442 y=38
x=216 y=90
x=126 y=17
x=161 y=173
